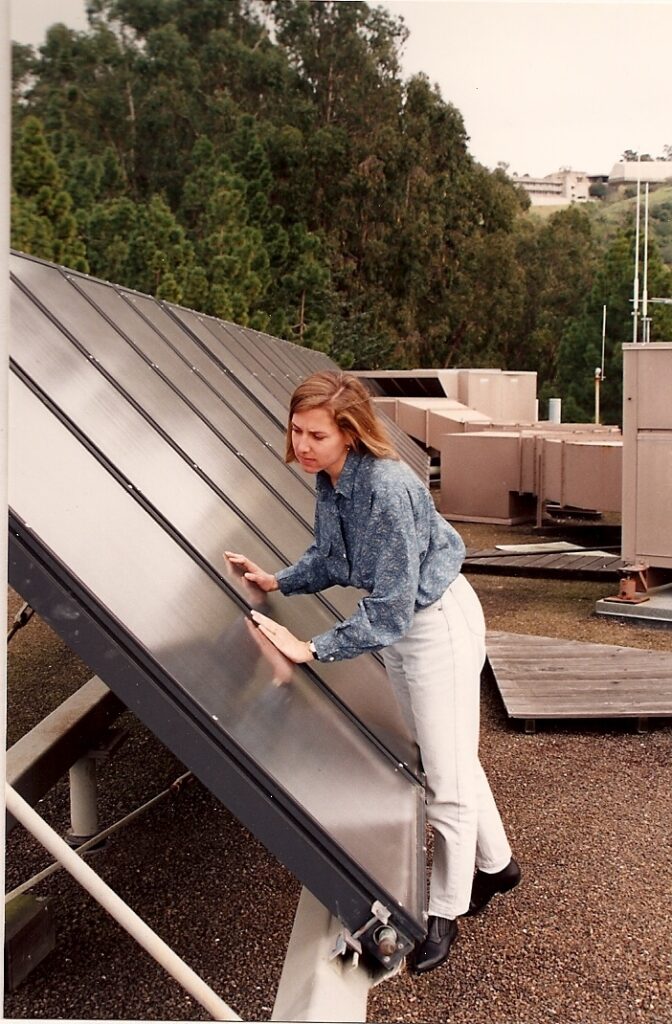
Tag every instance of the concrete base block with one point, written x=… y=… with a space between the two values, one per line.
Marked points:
x=313 y=987
x=657 y=610
x=30 y=936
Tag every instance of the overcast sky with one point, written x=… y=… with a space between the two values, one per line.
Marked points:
x=540 y=85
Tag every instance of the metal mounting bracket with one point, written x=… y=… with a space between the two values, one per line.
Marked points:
x=633 y=585
x=377 y=937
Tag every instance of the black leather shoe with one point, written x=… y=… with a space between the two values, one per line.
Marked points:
x=430 y=954
x=485 y=886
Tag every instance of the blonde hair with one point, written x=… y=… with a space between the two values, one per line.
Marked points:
x=349 y=402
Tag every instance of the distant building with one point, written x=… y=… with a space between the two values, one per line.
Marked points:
x=564 y=187
x=559 y=189
x=653 y=171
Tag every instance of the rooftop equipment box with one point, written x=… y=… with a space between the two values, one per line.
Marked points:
x=500 y=394
x=481 y=478
x=647 y=456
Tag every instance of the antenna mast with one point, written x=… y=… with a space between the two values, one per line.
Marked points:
x=599 y=370
x=635 y=286
x=646 y=319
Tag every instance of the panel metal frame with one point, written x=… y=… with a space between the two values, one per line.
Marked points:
x=128 y=296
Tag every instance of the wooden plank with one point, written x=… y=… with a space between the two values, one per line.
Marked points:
x=581 y=674
x=518 y=640
x=587 y=699
x=579 y=681
x=522 y=707
x=544 y=677
x=592 y=694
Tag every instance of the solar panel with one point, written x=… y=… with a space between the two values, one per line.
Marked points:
x=257 y=361
x=176 y=323
x=130 y=473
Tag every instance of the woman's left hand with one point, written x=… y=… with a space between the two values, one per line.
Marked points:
x=280 y=665
x=289 y=645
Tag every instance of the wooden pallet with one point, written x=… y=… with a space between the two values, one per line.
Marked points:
x=540 y=677
x=560 y=565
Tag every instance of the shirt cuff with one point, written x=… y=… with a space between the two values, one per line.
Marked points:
x=286 y=580
x=325 y=648
x=333 y=646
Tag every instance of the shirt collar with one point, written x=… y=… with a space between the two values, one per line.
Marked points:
x=346 y=479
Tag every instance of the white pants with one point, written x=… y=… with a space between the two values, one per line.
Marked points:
x=435 y=670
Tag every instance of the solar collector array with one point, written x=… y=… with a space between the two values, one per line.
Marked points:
x=135 y=473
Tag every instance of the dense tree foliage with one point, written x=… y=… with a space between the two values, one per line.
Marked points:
x=264 y=161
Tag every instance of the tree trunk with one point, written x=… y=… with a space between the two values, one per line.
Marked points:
x=302 y=314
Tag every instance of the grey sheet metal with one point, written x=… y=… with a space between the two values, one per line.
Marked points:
x=273 y=378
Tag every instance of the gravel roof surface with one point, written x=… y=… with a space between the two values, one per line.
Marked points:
x=585 y=939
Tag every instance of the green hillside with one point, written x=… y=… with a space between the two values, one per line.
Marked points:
x=612 y=215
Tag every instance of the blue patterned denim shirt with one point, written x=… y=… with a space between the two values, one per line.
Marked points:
x=378 y=530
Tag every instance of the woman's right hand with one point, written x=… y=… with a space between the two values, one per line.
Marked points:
x=264 y=580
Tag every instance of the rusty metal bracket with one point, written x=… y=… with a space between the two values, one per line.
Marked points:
x=632 y=585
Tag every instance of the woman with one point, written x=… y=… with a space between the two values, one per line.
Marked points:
x=376 y=528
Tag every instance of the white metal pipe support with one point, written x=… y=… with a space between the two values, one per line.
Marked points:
x=115 y=906
x=83 y=800
x=645 y=292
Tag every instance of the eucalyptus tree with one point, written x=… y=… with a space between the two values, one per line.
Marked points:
x=560 y=258
x=266 y=162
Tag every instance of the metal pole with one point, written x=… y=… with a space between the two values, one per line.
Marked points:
x=598 y=378
x=604 y=335
x=599 y=370
x=83 y=800
x=115 y=906
x=645 y=293
x=635 y=287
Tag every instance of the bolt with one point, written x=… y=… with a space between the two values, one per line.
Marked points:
x=386 y=940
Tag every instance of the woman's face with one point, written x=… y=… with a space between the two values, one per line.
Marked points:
x=318 y=442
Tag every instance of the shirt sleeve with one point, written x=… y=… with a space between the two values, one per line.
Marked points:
x=391 y=553
x=310 y=573
x=307 y=576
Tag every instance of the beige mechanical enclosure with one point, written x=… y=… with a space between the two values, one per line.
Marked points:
x=647 y=457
